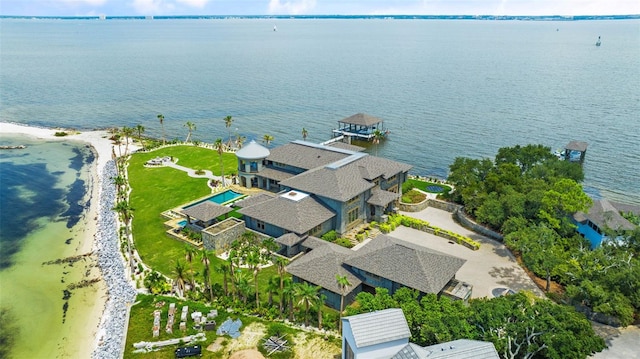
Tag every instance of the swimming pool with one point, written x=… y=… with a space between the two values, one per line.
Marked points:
x=219 y=198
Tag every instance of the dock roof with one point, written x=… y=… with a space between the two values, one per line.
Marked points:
x=577 y=146
x=361 y=119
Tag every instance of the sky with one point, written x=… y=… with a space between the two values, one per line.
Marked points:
x=317 y=7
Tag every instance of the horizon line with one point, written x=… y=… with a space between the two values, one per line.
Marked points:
x=310 y=16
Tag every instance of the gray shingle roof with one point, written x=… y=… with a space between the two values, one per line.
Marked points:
x=340 y=184
x=321 y=265
x=361 y=119
x=272 y=173
x=381 y=197
x=301 y=155
x=252 y=151
x=378 y=327
x=254 y=199
x=289 y=239
x=402 y=262
x=295 y=216
x=412 y=351
x=206 y=211
x=605 y=215
x=462 y=349
x=312 y=242
x=373 y=167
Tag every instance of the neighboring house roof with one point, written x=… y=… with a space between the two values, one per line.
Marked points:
x=381 y=197
x=346 y=146
x=206 y=211
x=604 y=215
x=378 y=327
x=361 y=119
x=411 y=351
x=252 y=151
x=462 y=349
x=305 y=156
x=405 y=263
x=577 y=146
x=312 y=242
x=274 y=174
x=321 y=265
x=289 y=239
x=254 y=199
x=297 y=216
x=340 y=184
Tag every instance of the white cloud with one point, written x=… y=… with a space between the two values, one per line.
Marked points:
x=291 y=7
x=200 y=4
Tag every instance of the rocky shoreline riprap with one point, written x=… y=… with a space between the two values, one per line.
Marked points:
x=122 y=294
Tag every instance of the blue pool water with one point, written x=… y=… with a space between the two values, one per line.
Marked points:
x=220 y=198
x=182 y=223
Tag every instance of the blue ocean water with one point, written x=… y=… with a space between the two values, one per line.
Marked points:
x=445 y=88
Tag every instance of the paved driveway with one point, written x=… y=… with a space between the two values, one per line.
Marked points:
x=490 y=267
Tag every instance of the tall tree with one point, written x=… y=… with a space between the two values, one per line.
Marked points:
x=307 y=296
x=377 y=137
x=161 y=119
x=223 y=268
x=267 y=139
x=127 y=132
x=344 y=284
x=190 y=127
x=228 y=121
x=273 y=287
x=126 y=213
x=288 y=292
x=564 y=198
x=319 y=304
x=254 y=260
x=305 y=133
x=140 y=130
x=179 y=278
x=240 y=141
x=189 y=255
x=219 y=146
x=280 y=263
x=206 y=274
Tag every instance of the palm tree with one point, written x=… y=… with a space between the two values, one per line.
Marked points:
x=228 y=120
x=272 y=286
x=319 y=304
x=243 y=285
x=126 y=213
x=120 y=182
x=287 y=292
x=254 y=260
x=206 y=273
x=161 y=119
x=305 y=133
x=344 y=284
x=189 y=255
x=127 y=132
x=179 y=278
x=219 y=146
x=140 y=130
x=377 y=136
x=223 y=268
x=239 y=141
x=190 y=127
x=307 y=295
x=281 y=263
x=267 y=139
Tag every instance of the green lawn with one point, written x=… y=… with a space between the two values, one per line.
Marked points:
x=426 y=186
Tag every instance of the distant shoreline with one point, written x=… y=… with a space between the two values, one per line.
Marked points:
x=339 y=17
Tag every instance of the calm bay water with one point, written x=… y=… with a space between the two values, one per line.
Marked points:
x=445 y=88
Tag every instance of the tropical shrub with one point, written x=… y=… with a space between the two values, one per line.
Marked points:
x=344 y=242
x=330 y=236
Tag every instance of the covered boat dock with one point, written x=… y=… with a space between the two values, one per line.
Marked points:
x=360 y=126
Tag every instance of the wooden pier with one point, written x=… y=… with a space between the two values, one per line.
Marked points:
x=360 y=127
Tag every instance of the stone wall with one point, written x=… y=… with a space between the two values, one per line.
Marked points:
x=470 y=224
x=222 y=240
x=444 y=205
x=413 y=207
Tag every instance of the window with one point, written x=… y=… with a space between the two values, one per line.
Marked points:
x=260 y=225
x=315 y=230
x=353 y=200
x=349 y=352
x=353 y=215
x=393 y=189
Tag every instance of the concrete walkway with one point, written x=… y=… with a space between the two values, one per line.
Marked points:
x=492 y=266
x=191 y=172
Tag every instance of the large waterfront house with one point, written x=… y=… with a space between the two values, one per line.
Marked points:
x=602 y=216
x=385 y=334
x=316 y=188
x=384 y=262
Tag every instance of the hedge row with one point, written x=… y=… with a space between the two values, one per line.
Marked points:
x=398 y=219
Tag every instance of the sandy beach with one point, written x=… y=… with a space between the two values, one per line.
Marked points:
x=96 y=328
